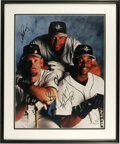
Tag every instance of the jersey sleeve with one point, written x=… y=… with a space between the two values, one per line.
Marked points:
x=75 y=43
x=36 y=41
x=99 y=83
x=63 y=100
x=50 y=80
x=20 y=98
x=101 y=87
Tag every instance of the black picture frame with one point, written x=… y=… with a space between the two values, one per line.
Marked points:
x=3 y=3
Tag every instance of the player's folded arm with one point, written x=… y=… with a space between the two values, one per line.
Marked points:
x=45 y=95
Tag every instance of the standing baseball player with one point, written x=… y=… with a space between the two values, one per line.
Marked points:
x=57 y=49
x=36 y=89
x=81 y=94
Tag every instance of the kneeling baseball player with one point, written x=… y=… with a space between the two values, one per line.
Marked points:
x=36 y=89
x=80 y=99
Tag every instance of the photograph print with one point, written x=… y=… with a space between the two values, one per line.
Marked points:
x=59 y=72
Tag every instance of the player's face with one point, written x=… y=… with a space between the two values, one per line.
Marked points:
x=33 y=66
x=84 y=64
x=58 y=42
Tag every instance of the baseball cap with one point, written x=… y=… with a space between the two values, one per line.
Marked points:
x=82 y=50
x=31 y=49
x=57 y=27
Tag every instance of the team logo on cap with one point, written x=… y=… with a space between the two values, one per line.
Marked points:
x=58 y=27
x=86 y=49
x=35 y=51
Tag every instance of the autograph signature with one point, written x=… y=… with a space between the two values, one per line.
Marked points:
x=65 y=99
x=24 y=29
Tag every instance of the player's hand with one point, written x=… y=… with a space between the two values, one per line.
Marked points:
x=56 y=65
x=31 y=100
x=82 y=110
x=96 y=101
x=57 y=68
x=39 y=105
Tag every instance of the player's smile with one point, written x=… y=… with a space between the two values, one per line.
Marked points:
x=84 y=70
x=84 y=64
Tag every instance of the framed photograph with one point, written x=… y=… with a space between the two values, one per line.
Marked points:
x=59 y=78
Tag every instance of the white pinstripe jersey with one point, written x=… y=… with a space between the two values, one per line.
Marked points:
x=46 y=79
x=65 y=57
x=71 y=93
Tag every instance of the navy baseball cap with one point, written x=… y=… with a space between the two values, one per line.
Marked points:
x=31 y=49
x=57 y=27
x=82 y=50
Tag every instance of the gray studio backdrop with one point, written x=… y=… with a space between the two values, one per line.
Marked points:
x=87 y=29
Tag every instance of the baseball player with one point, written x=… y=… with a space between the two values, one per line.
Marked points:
x=36 y=89
x=80 y=98
x=57 y=49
